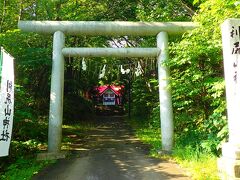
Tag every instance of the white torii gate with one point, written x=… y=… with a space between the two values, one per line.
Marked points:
x=113 y=28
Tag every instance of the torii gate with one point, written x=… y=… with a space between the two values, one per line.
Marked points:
x=113 y=28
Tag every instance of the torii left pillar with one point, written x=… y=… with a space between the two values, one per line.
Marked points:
x=56 y=96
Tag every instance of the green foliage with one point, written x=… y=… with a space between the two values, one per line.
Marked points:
x=163 y=10
x=200 y=113
x=77 y=109
x=23 y=169
x=144 y=94
x=22 y=98
x=147 y=134
x=27 y=125
x=29 y=135
x=21 y=161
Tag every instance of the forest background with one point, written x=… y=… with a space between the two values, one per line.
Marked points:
x=196 y=65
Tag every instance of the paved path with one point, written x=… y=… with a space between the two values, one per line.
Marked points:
x=110 y=152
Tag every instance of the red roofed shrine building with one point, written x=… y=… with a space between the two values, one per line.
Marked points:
x=108 y=95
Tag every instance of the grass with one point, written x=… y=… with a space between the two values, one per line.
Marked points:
x=21 y=162
x=198 y=164
x=24 y=169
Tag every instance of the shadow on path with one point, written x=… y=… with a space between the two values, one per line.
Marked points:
x=110 y=151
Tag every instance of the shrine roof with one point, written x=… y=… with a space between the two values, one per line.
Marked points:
x=116 y=89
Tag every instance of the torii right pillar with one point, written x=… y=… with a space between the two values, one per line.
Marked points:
x=165 y=97
x=229 y=163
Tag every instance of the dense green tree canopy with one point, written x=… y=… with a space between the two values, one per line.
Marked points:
x=196 y=58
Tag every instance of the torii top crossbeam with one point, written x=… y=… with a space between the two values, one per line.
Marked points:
x=106 y=27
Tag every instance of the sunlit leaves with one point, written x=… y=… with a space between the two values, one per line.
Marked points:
x=169 y=10
x=197 y=73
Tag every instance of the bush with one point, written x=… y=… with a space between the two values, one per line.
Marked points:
x=77 y=108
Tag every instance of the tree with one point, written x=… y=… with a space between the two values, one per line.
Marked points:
x=197 y=68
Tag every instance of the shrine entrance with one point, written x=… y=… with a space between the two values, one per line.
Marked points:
x=111 y=28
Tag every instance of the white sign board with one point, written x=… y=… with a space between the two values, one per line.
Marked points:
x=6 y=102
x=108 y=97
x=108 y=101
x=231 y=54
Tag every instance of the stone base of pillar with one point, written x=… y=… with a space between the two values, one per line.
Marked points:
x=229 y=163
x=51 y=156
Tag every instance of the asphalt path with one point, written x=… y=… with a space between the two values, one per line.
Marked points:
x=111 y=152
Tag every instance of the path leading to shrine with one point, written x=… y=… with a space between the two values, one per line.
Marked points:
x=110 y=151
